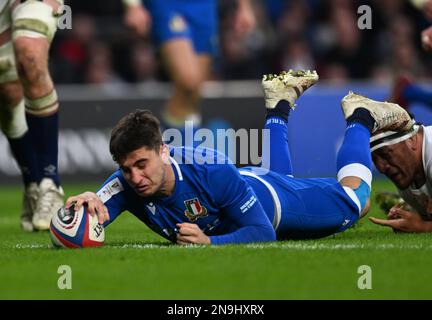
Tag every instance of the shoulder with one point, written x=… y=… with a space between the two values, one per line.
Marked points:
x=198 y=155
x=205 y=165
x=112 y=186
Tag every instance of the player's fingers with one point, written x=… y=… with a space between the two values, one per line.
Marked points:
x=91 y=207
x=182 y=225
x=382 y=222
x=185 y=224
x=187 y=231
x=106 y=214
x=394 y=212
x=184 y=239
x=395 y=207
x=102 y=213
x=403 y=213
x=392 y=215
x=69 y=201
x=79 y=203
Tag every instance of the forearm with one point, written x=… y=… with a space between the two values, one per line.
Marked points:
x=247 y=234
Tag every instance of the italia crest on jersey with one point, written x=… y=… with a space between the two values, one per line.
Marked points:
x=194 y=209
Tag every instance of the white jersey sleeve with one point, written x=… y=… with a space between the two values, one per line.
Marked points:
x=419 y=198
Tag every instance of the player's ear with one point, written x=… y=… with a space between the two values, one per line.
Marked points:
x=414 y=142
x=164 y=153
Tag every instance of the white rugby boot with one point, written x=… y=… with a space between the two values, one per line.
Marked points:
x=387 y=116
x=30 y=197
x=49 y=202
x=287 y=85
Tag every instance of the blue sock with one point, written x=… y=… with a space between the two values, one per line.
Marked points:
x=22 y=149
x=282 y=110
x=279 y=159
x=44 y=132
x=355 y=147
x=414 y=93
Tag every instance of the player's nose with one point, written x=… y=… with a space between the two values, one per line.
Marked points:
x=135 y=177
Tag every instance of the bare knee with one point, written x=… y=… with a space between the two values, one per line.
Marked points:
x=32 y=65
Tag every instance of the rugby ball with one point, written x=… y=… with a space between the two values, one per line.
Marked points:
x=76 y=229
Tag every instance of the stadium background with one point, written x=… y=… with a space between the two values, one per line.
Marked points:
x=102 y=71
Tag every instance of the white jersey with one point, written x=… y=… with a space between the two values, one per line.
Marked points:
x=418 y=198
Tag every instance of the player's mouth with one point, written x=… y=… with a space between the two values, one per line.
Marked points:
x=142 y=188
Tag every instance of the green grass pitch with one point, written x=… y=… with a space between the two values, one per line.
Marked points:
x=137 y=264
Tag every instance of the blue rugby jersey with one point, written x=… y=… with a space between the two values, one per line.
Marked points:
x=212 y=195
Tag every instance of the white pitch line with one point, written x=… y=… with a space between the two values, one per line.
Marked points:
x=282 y=246
x=32 y=246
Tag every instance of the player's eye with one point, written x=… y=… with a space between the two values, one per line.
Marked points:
x=125 y=170
x=141 y=164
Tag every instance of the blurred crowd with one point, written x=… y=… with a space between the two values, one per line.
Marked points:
x=307 y=34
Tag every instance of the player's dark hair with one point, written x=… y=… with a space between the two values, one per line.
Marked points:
x=136 y=130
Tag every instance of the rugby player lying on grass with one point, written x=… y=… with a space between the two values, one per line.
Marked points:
x=188 y=201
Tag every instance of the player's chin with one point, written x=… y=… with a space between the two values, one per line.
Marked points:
x=144 y=192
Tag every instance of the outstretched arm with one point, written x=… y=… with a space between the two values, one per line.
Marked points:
x=254 y=226
x=108 y=203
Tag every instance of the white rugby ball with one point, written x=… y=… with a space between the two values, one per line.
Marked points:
x=76 y=229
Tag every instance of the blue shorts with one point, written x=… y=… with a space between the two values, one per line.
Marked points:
x=309 y=208
x=192 y=19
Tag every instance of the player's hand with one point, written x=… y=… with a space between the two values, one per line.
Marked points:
x=245 y=21
x=190 y=233
x=401 y=220
x=138 y=19
x=426 y=39
x=94 y=205
x=393 y=212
